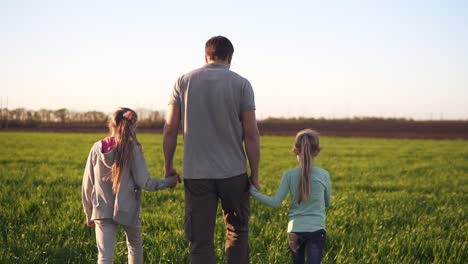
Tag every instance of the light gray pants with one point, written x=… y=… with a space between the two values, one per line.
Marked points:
x=106 y=237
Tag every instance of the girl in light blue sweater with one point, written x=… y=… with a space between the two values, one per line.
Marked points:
x=310 y=190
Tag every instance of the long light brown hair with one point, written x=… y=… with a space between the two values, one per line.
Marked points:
x=122 y=124
x=307 y=146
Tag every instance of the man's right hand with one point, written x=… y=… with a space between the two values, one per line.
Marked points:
x=90 y=223
x=169 y=172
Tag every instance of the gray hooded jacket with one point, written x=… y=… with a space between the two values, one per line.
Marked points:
x=99 y=201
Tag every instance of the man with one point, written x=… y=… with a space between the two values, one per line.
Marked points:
x=216 y=109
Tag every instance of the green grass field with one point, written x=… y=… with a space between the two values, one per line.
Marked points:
x=394 y=201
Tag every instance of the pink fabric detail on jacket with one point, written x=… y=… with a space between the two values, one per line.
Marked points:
x=108 y=144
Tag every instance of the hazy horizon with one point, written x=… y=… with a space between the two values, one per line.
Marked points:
x=304 y=58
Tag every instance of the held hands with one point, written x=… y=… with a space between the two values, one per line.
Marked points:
x=90 y=223
x=255 y=182
x=172 y=177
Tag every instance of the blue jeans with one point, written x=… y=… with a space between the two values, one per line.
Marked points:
x=311 y=243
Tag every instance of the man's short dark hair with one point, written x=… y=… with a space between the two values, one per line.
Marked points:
x=219 y=48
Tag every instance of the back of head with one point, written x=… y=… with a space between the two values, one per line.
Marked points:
x=308 y=138
x=122 y=125
x=219 y=48
x=307 y=144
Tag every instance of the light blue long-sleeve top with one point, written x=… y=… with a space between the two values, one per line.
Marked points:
x=309 y=215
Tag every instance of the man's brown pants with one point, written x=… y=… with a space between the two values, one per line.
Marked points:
x=201 y=201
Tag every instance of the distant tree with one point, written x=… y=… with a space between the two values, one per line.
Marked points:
x=45 y=115
x=18 y=114
x=143 y=113
x=36 y=117
x=61 y=114
x=95 y=116
x=157 y=116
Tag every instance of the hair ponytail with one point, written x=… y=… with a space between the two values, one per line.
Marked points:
x=307 y=144
x=122 y=125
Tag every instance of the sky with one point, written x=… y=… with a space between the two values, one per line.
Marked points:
x=332 y=59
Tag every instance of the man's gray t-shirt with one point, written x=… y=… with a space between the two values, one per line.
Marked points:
x=211 y=100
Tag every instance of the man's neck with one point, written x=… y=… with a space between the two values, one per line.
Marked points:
x=223 y=62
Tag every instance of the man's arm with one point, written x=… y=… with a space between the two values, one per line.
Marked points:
x=252 y=144
x=171 y=130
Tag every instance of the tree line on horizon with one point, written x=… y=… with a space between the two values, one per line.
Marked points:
x=65 y=118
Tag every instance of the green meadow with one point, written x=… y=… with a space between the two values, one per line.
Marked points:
x=394 y=201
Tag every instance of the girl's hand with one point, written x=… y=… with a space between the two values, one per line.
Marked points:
x=172 y=173
x=91 y=224
x=171 y=181
x=255 y=182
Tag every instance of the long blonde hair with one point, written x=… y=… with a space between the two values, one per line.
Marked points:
x=307 y=145
x=122 y=124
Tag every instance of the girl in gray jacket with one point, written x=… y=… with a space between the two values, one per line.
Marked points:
x=115 y=173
